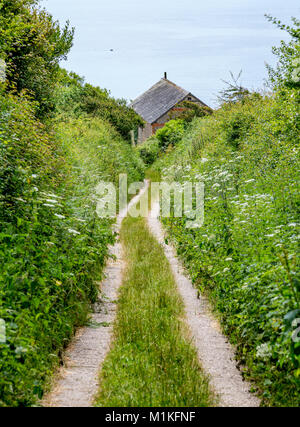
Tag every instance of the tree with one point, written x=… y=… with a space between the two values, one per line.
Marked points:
x=234 y=91
x=75 y=97
x=287 y=71
x=32 y=45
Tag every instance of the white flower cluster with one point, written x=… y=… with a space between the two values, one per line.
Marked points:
x=2 y=71
x=264 y=351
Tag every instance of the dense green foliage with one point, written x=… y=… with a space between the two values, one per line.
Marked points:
x=152 y=362
x=287 y=71
x=52 y=244
x=245 y=254
x=32 y=44
x=75 y=98
x=170 y=134
x=149 y=151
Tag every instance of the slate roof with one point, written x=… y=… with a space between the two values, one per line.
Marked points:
x=158 y=100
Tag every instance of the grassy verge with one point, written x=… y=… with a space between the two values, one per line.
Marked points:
x=152 y=362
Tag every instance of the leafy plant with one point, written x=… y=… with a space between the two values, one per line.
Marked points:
x=190 y=110
x=149 y=150
x=32 y=44
x=170 y=134
x=287 y=71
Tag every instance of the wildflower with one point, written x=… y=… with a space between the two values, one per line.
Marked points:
x=59 y=216
x=80 y=220
x=226 y=269
x=228 y=259
x=264 y=351
x=21 y=350
x=292 y=224
x=249 y=180
x=51 y=195
x=51 y=201
x=71 y=231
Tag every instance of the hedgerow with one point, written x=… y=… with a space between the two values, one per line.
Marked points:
x=245 y=256
x=52 y=244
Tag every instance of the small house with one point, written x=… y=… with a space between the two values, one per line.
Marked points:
x=159 y=104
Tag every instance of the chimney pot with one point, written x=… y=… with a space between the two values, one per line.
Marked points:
x=166 y=76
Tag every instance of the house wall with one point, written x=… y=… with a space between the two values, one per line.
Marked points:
x=144 y=133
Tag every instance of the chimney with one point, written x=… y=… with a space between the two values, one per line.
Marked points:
x=165 y=75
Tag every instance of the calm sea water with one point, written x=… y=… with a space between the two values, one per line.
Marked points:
x=197 y=42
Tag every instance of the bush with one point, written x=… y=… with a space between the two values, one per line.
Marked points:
x=236 y=127
x=170 y=134
x=76 y=99
x=149 y=150
x=190 y=111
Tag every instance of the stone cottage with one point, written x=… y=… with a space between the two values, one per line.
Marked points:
x=159 y=104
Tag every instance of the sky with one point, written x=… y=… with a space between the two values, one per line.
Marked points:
x=197 y=42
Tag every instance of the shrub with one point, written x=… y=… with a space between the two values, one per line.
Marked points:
x=236 y=127
x=190 y=111
x=170 y=134
x=149 y=150
x=75 y=98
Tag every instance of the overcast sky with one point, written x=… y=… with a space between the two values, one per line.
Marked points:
x=196 y=41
